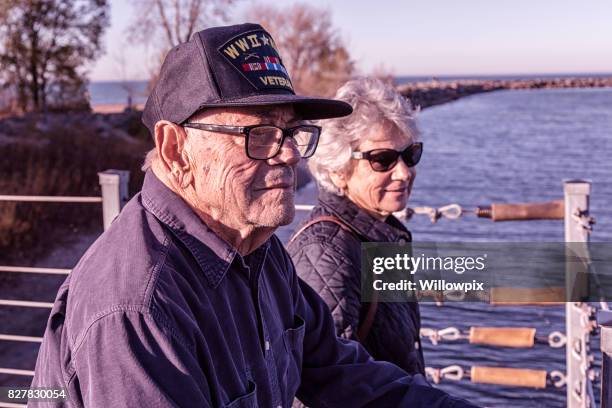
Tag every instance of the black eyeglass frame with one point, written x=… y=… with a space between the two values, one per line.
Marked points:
x=368 y=155
x=246 y=130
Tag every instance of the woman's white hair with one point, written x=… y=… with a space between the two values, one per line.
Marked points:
x=373 y=102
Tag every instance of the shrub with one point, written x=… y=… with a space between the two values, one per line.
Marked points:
x=59 y=154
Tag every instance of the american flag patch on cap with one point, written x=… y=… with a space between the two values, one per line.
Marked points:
x=255 y=56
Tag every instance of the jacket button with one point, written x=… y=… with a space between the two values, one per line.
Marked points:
x=267 y=345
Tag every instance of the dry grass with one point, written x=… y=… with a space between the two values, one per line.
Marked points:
x=62 y=157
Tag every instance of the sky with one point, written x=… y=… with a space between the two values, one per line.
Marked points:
x=429 y=37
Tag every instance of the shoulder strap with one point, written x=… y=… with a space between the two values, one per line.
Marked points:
x=321 y=218
x=366 y=325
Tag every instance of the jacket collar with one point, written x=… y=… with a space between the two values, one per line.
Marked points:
x=213 y=254
x=370 y=228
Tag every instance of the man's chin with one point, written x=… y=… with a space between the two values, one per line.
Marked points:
x=283 y=216
x=274 y=222
x=275 y=215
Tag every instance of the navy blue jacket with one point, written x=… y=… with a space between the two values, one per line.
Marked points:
x=162 y=312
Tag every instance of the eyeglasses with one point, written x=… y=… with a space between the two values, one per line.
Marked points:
x=264 y=141
x=386 y=159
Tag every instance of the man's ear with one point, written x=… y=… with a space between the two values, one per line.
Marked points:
x=170 y=141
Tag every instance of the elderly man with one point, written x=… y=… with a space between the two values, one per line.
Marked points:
x=189 y=299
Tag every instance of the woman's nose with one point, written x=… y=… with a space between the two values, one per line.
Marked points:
x=401 y=171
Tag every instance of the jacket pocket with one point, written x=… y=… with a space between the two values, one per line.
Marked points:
x=293 y=340
x=248 y=400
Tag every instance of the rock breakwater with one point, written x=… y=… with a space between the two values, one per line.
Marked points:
x=436 y=92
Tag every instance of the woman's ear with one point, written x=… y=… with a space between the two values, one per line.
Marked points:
x=339 y=180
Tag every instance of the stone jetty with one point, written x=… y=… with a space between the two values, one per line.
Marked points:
x=436 y=92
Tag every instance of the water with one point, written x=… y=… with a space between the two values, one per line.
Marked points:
x=508 y=146
x=116 y=92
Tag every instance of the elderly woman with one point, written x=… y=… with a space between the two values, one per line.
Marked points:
x=365 y=167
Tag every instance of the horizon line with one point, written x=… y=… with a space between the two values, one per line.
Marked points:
x=566 y=73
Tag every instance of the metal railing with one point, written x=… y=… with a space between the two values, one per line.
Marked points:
x=577 y=229
x=574 y=210
x=114 y=188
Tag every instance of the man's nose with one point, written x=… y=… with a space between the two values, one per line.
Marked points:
x=288 y=154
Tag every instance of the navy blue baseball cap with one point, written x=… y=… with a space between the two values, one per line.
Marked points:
x=228 y=67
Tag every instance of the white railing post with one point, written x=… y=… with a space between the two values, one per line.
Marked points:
x=577 y=346
x=114 y=185
x=604 y=318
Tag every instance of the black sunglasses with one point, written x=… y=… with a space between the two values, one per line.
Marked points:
x=386 y=159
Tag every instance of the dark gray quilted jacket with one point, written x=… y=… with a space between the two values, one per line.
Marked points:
x=328 y=258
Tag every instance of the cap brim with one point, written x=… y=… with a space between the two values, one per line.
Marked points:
x=306 y=107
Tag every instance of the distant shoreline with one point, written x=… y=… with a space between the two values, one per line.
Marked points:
x=114 y=107
x=436 y=92
x=422 y=93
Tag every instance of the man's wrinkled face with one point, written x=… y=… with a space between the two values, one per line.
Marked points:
x=233 y=188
